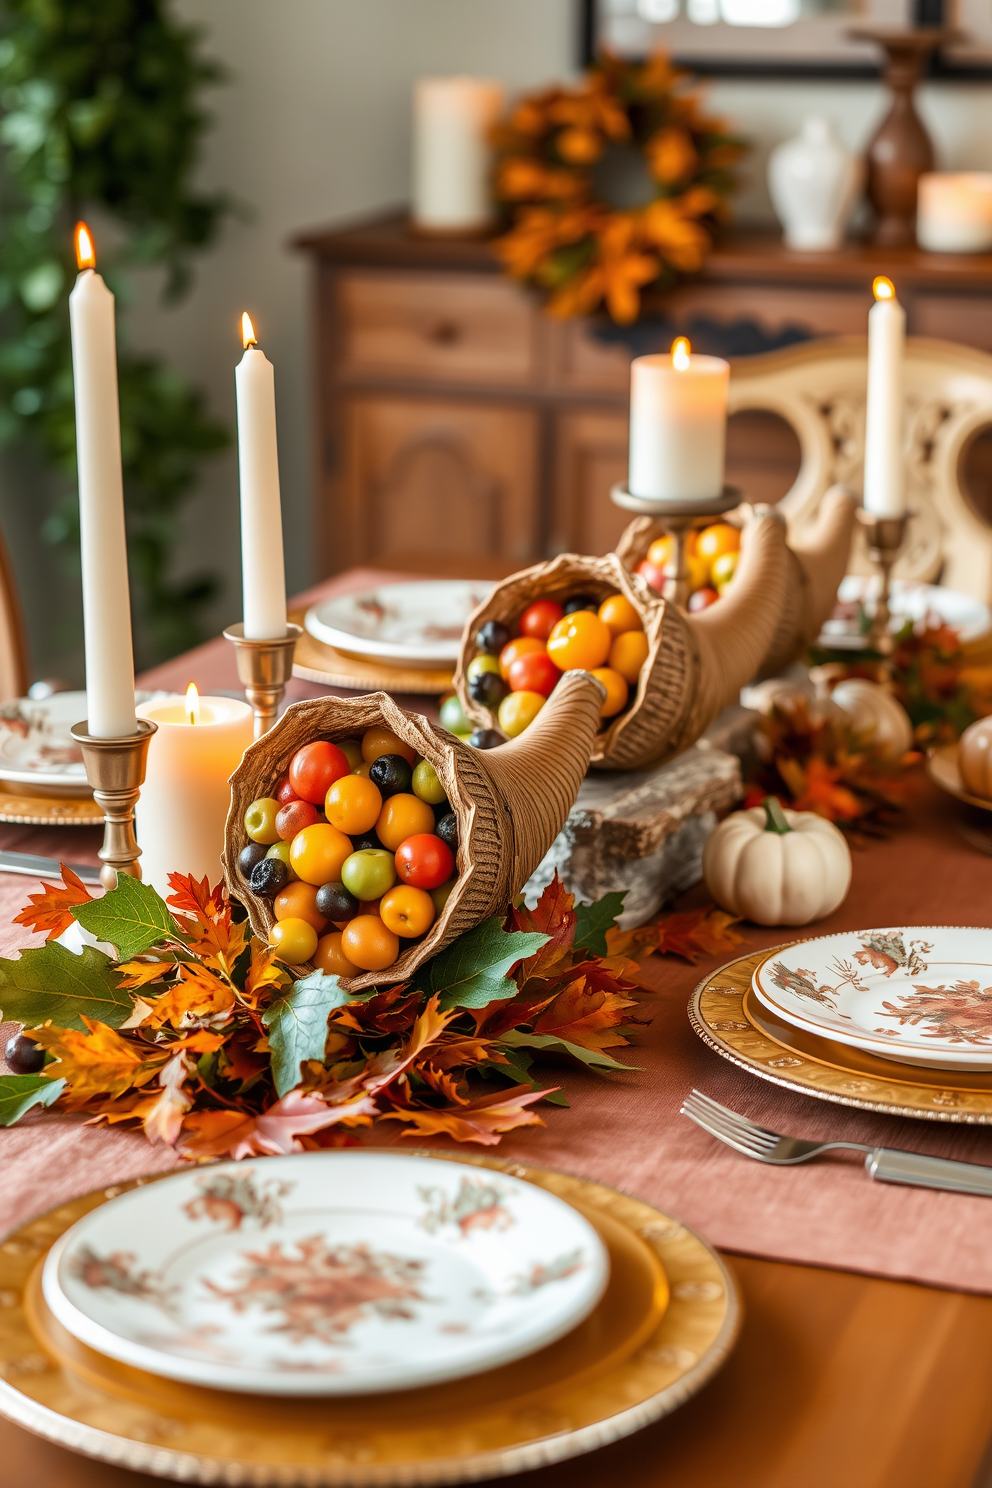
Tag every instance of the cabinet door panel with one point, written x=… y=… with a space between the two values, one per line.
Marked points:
x=966 y=319
x=442 y=487
x=591 y=454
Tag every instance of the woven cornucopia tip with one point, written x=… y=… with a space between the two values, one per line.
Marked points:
x=510 y=803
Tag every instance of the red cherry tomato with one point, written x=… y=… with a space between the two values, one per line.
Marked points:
x=655 y=576
x=535 y=672
x=702 y=599
x=284 y=792
x=293 y=817
x=424 y=861
x=314 y=769
x=540 y=618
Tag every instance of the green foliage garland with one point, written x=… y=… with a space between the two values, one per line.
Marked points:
x=100 y=116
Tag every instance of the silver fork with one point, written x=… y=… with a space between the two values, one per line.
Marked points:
x=884 y=1163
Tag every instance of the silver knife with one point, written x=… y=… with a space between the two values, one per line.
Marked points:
x=35 y=867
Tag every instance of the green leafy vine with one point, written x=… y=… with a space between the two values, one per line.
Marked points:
x=101 y=119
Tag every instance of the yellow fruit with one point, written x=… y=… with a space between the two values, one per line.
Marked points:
x=368 y=943
x=628 y=654
x=294 y=940
x=616 y=691
x=518 y=710
x=699 y=572
x=317 y=854
x=330 y=959
x=660 y=550
x=619 y=614
x=581 y=640
x=720 y=538
x=379 y=741
x=402 y=816
x=353 y=804
x=407 y=911
x=723 y=570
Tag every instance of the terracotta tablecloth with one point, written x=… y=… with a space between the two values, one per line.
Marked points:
x=625 y=1129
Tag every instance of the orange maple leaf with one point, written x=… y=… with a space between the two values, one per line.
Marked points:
x=98 y=1062
x=585 y=1016
x=51 y=909
x=385 y=1067
x=135 y=974
x=162 y=1114
x=198 y=997
x=553 y=915
x=221 y=1133
x=481 y=1121
x=263 y=972
x=697 y=933
x=195 y=897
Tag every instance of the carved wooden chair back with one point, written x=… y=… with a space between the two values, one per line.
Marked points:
x=13 y=644
x=819 y=389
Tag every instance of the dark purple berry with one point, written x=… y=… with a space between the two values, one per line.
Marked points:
x=24 y=1056
x=486 y=739
x=492 y=637
x=268 y=877
x=392 y=774
x=334 y=902
x=579 y=602
x=367 y=839
x=250 y=854
x=447 y=830
x=487 y=688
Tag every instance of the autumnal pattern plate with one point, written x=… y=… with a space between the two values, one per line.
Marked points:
x=416 y=624
x=847 y=627
x=942 y=767
x=37 y=750
x=665 y=1324
x=920 y=995
x=329 y=1273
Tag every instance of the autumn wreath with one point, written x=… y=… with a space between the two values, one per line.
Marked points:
x=631 y=130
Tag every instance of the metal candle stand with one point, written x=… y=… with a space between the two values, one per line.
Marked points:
x=264 y=668
x=680 y=518
x=885 y=537
x=115 y=768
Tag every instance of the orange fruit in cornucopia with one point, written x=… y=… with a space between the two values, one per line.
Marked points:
x=666 y=674
x=362 y=839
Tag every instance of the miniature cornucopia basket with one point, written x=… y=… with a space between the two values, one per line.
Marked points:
x=817 y=561
x=510 y=803
x=696 y=664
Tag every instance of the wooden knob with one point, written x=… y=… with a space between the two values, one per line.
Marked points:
x=445 y=333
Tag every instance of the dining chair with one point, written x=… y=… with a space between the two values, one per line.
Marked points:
x=819 y=389
x=13 y=641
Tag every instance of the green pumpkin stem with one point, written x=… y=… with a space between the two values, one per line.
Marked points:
x=774 y=816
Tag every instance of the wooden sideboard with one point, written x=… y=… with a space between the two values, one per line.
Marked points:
x=458 y=429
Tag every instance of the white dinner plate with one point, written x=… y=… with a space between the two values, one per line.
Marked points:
x=417 y=624
x=328 y=1273
x=919 y=994
x=36 y=747
x=908 y=601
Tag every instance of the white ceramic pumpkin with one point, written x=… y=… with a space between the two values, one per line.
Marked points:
x=975 y=758
x=777 y=867
x=876 y=715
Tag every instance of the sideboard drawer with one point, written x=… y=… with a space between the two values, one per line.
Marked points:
x=448 y=329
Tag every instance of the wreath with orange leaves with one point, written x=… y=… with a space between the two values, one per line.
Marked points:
x=569 y=242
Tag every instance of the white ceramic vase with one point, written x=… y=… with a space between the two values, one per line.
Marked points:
x=814 y=182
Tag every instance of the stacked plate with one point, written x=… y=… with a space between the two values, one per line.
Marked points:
x=919 y=995
x=847 y=627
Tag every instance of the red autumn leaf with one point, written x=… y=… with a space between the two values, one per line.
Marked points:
x=51 y=909
x=585 y=1016
x=274 y=1133
x=825 y=793
x=553 y=915
x=481 y=1121
x=194 y=897
x=697 y=933
x=385 y=1067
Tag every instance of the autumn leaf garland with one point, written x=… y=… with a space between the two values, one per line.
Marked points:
x=197 y=1032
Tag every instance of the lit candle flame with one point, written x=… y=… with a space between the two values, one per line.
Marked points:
x=680 y=353
x=192 y=703
x=85 y=252
x=883 y=289
x=248 y=337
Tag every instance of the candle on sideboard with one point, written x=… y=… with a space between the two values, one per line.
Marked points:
x=183 y=805
x=954 y=212
x=452 y=156
x=262 y=566
x=102 y=540
x=884 y=482
x=678 y=425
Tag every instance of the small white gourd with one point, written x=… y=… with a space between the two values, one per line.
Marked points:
x=975 y=758
x=876 y=715
x=777 y=867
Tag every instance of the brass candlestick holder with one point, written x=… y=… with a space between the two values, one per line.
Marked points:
x=264 y=667
x=679 y=518
x=885 y=537
x=115 y=768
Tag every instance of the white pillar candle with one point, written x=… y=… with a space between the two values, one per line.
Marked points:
x=884 y=485
x=452 y=156
x=678 y=425
x=954 y=212
x=183 y=804
x=103 y=546
x=263 y=572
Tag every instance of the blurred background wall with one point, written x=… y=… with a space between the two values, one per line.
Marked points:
x=311 y=128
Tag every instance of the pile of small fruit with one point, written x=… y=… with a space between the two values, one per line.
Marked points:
x=711 y=556
x=356 y=850
x=513 y=675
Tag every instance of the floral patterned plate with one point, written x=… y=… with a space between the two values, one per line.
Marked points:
x=329 y=1273
x=917 y=994
x=36 y=747
x=418 y=624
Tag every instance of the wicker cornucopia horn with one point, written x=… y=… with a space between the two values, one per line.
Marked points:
x=817 y=563
x=510 y=803
x=696 y=664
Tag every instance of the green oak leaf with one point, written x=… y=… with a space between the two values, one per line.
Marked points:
x=297 y=1024
x=18 y=1093
x=552 y=1044
x=593 y=920
x=131 y=917
x=471 y=973
x=51 y=982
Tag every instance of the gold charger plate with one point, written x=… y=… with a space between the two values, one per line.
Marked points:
x=316 y=662
x=666 y=1323
x=47 y=811
x=942 y=767
x=728 y=1018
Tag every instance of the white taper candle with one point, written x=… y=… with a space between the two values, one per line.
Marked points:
x=262 y=566
x=884 y=481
